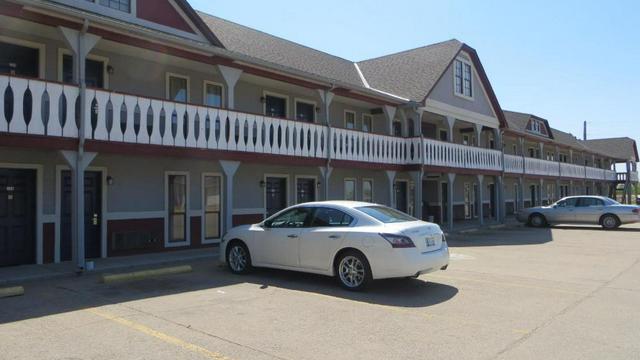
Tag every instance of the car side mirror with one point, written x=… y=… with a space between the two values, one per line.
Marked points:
x=266 y=224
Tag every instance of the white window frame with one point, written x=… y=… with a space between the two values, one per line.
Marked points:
x=307 y=177
x=169 y=75
x=105 y=63
x=372 y=189
x=355 y=119
x=370 y=117
x=308 y=102
x=33 y=45
x=266 y=93
x=445 y=131
x=187 y=242
x=355 y=188
x=472 y=69
x=204 y=92
x=132 y=7
x=203 y=237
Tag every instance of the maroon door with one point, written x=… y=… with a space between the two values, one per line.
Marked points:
x=17 y=217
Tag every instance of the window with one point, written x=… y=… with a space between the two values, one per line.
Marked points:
x=305 y=111
x=177 y=88
x=350 y=189
x=294 y=218
x=325 y=217
x=367 y=190
x=94 y=71
x=385 y=214
x=462 y=79
x=19 y=60
x=349 y=119
x=212 y=94
x=515 y=149
x=397 y=128
x=443 y=135
x=590 y=202
x=122 y=5
x=177 y=208
x=568 y=202
x=275 y=106
x=212 y=204
x=367 y=123
x=466 y=140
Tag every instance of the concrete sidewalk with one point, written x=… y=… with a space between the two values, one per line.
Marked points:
x=18 y=274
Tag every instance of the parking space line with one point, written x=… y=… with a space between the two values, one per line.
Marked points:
x=444 y=277
x=158 y=335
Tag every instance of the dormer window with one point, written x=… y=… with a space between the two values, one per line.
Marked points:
x=537 y=127
x=462 y=78
x=122 y=5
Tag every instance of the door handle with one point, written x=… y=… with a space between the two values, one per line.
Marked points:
x=334 y=236
x=95 y=220
x=292 y=236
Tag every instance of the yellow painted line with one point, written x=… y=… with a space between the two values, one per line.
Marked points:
x=11 y=291
x=143 y=274
x=159 y=335
x=506 y=284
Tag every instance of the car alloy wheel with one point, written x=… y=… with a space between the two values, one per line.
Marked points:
x=537 y=221
x=609 y=222
x=352 y=271
x=238 y=259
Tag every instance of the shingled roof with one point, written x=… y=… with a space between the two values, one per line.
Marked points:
x=412 y=73
x=518 y=121
x=622 y=148
x=273 y=49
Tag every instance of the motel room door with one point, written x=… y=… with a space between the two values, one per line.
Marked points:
x=17 y=216
x=276 y=194
x=92 y=215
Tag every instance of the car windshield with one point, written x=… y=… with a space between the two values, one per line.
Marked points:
x=386 y=214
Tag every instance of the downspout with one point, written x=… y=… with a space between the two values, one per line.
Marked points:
x=327 y=105
x=79 y=181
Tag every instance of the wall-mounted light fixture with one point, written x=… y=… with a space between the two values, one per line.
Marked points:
x=262 y=183
x=319 y=184
x=110 y=70
x=318 y=109
x=109 y=180
x=263 y=99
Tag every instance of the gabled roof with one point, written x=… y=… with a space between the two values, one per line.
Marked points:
x=622 y=148
x=518 y=121
x=412 y=73
x=273 y=49
x=197 y=21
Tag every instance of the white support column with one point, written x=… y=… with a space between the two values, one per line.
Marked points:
x=480 y=196
x=540 y=191
x=231 y=77
x=326 y=177
x=390 y=113
x=229 y=168
x=327 y=97
x=451 y=121
x=417 y=177
x=557 y=189
x=452 y=180
x=542 y=155
x=78 y=167
x=521 y=191
x=500 y=210
x=391 y=176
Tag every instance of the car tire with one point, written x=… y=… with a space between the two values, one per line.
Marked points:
x=238 y=258
x=609 y=222
x=537 y=221
x=353 y=271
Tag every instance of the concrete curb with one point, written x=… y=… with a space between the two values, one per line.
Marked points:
x=143 y=274
x=11 y=291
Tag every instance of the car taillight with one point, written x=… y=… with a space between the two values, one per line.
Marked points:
x=398 y=241
x=636 y=211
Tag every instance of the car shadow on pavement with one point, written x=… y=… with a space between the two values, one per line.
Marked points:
x=59 y=296
x=574 y=227
x=503 y=237
x=402 y=292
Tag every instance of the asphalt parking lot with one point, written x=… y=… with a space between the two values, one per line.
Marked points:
x=560 y=293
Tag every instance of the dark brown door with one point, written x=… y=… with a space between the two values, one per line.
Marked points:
x=306 y=190
x=444 y=193
x=92 y=215
x=401 y=196
x=276 y=195
x=492 y=200
x=17 y=217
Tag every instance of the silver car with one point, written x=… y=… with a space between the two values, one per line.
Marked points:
x=597 y=210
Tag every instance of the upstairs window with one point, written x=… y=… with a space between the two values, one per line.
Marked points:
x=367 y=123
x=462 y=78
x=349 y=119
x=177 y=88
x=212 y=94
x=275 y=106
x=305 y=111
x=122 y=5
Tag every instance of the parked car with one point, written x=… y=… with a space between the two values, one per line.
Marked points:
x=356 y=242
x=598 y=210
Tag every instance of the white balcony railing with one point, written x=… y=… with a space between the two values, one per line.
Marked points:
x=541 y=167
x=37 y=107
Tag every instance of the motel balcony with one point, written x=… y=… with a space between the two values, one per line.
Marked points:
x=49 y=110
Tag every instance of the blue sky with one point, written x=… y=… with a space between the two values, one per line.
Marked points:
x=566 y=61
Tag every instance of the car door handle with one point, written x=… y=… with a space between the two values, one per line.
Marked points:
x=292 y=236
x=334 y=236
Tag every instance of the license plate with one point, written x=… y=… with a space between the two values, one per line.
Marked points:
x=430 y=242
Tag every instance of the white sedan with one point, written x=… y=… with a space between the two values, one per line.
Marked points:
x=356 y=242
